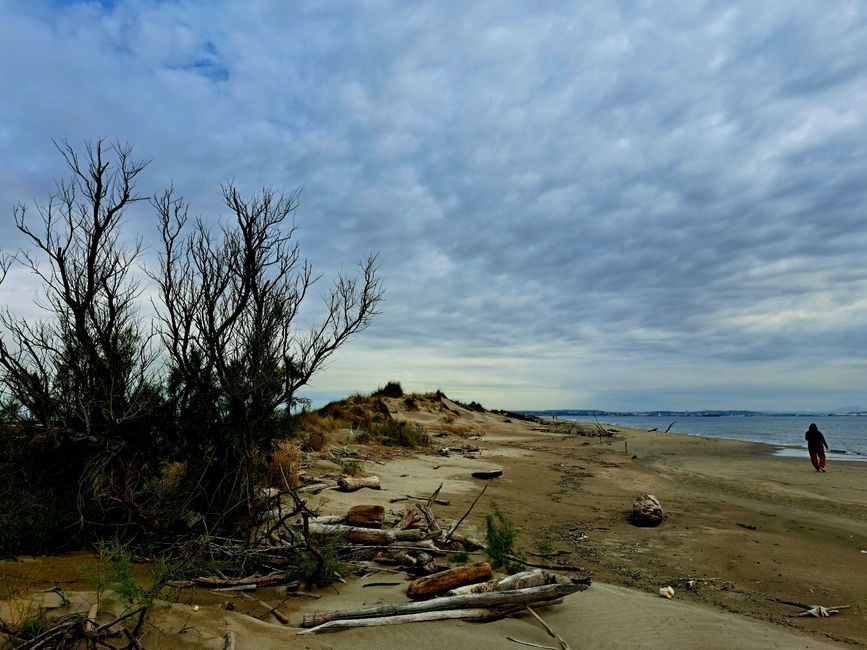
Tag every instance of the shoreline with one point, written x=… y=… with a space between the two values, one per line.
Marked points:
x=779 y=449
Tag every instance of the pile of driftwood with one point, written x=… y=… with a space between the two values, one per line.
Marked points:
x=413 y=541
x=489 y=600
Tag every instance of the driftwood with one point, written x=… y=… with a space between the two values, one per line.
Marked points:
x=366 y=536
x=409 y=518
x=366 y=516
x=272 y=609
x=276 y=578
x=351 y=484
x=520 y=597
x=442 y=502
x=563 y=645
x=313 y=488
x=466 y=514
x=475 y=614
x=521 y=580
x=494 y=473
x=441 y=582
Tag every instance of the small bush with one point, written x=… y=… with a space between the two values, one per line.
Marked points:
x=350 y=466
x=391 y=389
x=500 y=537
x=285 y=465
x=331 y=569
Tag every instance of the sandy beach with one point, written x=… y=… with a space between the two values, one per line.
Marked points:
x=744 y=530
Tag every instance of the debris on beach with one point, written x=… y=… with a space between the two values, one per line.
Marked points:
x=666 y=592
x=647 y=511
x=351 y=484
x=495 y=473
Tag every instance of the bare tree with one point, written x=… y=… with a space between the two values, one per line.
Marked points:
x=80 y=370
x=230 y=298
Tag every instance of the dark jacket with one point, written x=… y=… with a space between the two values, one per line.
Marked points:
x=815 y=440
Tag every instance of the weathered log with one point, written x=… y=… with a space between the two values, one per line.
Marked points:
x=476 y=614
x=366 y=516
x=313 y=488
x=351 y=484
x=487 y=475
x=366 y=536
x=521 y=580
x=518 y=597
x=441 y=582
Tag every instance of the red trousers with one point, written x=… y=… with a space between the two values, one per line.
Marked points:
x=817 y=457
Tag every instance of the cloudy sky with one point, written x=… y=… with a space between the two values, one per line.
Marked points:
x=624 y=205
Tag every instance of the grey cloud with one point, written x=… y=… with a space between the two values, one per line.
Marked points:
x=639 y=181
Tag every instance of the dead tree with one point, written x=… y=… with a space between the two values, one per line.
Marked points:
x=230 y=297
x=82 y=371
x=81 y=368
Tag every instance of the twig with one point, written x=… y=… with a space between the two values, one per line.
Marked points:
x=433 y=496
x=454 y=528
x=532 y=645
x=563 y=645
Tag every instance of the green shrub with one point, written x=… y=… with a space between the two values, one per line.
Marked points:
x=350 y=466
x=500 y=537
x=331 y=569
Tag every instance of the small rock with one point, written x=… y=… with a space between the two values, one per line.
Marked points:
x=666 y=592
x=647 y=511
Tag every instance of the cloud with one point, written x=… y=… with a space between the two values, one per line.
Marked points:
x=570 y=204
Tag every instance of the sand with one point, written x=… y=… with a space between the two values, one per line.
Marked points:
x=744 y=530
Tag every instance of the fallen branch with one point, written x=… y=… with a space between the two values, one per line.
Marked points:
x=477 y=614
x=466 y=514
x=532 y=645
x=563 y=645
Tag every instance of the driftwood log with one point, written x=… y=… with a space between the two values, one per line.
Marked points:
x=441 y=582
x=494 y=473
x=366 y=516
x=351 y=484
x=521 y=580
x=518 y=597
x=365 y=536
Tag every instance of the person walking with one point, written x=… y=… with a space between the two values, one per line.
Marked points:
x=816 y=445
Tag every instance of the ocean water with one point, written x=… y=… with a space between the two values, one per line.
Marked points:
x=846 y=435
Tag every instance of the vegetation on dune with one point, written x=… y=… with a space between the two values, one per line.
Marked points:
x=98 y=437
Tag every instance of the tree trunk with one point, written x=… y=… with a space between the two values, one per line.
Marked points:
x=441 y=582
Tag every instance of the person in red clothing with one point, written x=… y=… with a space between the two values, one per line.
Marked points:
x=816 y=445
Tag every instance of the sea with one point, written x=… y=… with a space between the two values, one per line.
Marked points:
x=846 y=435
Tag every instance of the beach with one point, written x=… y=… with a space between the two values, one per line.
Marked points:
x=744 y=530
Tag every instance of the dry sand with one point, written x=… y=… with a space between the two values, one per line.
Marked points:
x=744 y=530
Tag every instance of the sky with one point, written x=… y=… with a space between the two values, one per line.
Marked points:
x=607 y=204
